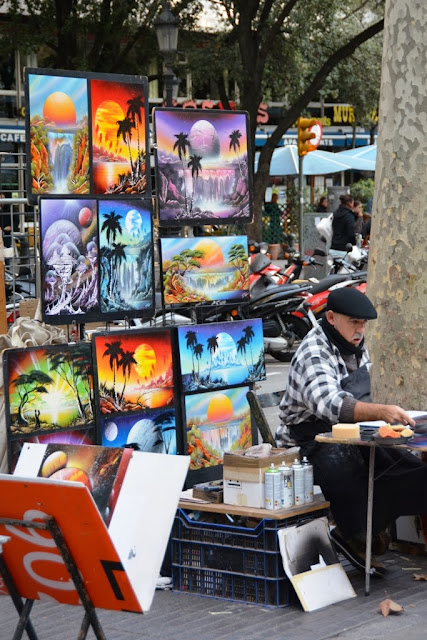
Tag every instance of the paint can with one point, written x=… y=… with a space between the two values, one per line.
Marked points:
x=308 y=480
x=287 y=486
x=299 y=482
x=272 y=488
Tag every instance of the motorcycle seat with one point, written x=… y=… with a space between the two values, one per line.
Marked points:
x=328 y=282
x=284 y=289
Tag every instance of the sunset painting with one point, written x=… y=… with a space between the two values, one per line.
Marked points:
x=134 y=370
x=69 y=259
x=221 y=354
x=119 y=121
x=217 y=422
x=204 y=269
x=57 y=134
x=153 y=430
x=126 y=257
x=202 y=166
x=48 y=388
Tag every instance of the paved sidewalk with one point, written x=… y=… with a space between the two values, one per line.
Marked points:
x=182 y=616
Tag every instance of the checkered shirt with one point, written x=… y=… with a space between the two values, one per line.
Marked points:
x=314 y=384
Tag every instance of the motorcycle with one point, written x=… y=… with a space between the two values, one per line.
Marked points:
x=263 y=272
x=355 y=259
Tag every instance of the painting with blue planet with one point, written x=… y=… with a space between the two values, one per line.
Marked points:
x=221 y=354
x=126 y=257
x=153 y=431
x=69 y=259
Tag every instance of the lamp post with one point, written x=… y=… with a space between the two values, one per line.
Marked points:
x=166 y=25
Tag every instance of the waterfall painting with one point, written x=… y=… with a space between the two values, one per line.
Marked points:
x=202 y=167
x=125 y=257
x=69 y=259
x=221 y=354
x=57 y=134
x=152 y=430
x=204 y=269
x=48 y=389
x=119 y=118
x=216 y=422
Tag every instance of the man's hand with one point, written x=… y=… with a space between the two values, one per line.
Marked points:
x=388 y=412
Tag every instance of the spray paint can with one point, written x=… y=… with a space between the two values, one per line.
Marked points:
x=299 y=482
x=308 y=480
x=272 y=488
x=287 y=486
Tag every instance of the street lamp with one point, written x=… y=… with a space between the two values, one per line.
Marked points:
x=166 y=25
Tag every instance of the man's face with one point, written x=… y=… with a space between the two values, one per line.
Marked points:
x=351 y=329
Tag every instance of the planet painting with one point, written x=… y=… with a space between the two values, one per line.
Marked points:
x=85 y=217
x=133 y=222
x=60 y=109
x=111 y=431
x=204 y=139
x=220 y=409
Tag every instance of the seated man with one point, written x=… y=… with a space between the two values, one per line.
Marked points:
x=329 y=383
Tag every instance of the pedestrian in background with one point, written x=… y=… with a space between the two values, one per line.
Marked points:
x=323 y=205
x=343 y=224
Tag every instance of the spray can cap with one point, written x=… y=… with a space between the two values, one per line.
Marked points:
x=304 y=460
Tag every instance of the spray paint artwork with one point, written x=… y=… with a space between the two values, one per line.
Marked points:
x=59 y=139
x=119 y=136
x=204 y=269
x=134 y=370
x=48 y=388
x=126 y=256
x=217 y=422
x=153 y=430
x=69 y=258
x=221 y=354
x=202 y=166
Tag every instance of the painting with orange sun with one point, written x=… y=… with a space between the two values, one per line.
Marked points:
x=201 y=269
x=216 y=422
x=57 y=133
x=119 y=118
x=48 y=390
x=203 y=164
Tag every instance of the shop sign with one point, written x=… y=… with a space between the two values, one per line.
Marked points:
x=6 y=135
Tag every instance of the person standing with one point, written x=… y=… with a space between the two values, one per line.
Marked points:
x=358 y=210
x=343 y=224
x=323 y=205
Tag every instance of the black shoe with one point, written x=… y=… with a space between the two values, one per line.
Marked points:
x=357 y=558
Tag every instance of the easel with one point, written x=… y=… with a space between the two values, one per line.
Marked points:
x=89 y=571
x=24 y=609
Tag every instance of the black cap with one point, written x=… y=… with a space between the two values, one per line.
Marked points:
x=351 y=302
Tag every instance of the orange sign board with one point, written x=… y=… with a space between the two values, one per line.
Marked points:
x=33 y=558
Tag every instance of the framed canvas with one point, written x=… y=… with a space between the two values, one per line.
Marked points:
x=203 y=166
x=126 y=257
x=215 y=422
x=119 y=119
x=86 y=134
x=48 y=389
x=221 y=354
x=135 y=389
x=69 y=260
x=77 y=436
x=206 y=269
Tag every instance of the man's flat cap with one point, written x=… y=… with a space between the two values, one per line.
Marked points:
x=351 y=302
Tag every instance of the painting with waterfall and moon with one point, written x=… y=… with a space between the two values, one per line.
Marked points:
x=221 y=354
x=119 y=119
x=216 y=422
x=203 y=166
x=125 y=257
x=133 y=370
x=48 y=389
x=69 y=260
x=204 y=269
x=57 y=133
x=153 y=431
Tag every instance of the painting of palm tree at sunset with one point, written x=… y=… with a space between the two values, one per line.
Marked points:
x=120 y=136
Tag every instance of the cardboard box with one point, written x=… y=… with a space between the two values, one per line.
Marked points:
x=244 y=476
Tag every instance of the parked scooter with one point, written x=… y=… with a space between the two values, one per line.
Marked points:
x=355 y=259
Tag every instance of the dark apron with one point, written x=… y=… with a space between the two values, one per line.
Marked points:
x=342 y=472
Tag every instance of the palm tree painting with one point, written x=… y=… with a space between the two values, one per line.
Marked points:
x=119 y=118
x=208 y=153
x=220 y=354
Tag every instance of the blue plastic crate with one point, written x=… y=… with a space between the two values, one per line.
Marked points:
x=232 y=561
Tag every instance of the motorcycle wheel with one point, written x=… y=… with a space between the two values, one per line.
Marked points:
x=299 y=328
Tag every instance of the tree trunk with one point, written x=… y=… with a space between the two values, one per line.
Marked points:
x=397 y=261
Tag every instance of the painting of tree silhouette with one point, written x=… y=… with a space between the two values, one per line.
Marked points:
x=75 y=368
x=29 y=386
x=235 y=145
x=212 y=346
x=114 y=352
x=125 y=362
x=195 y=165
x=135 y=114
x=181 y=145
